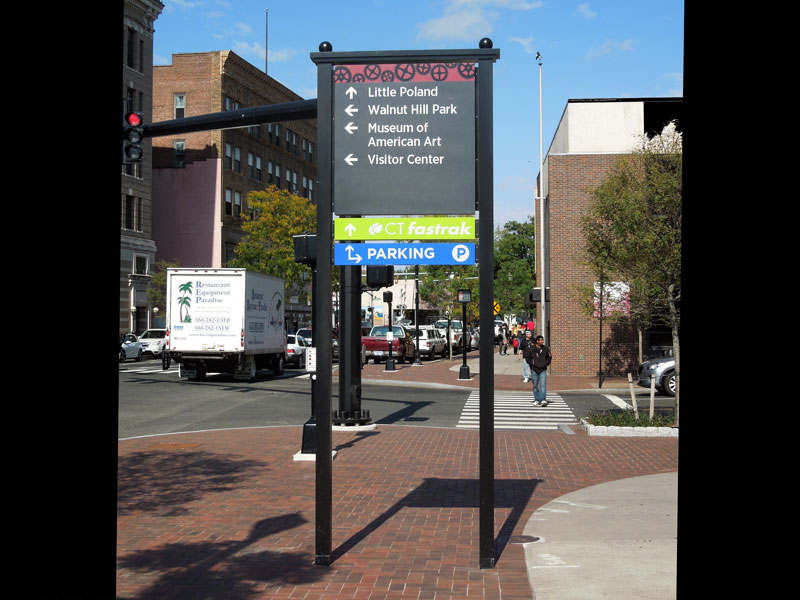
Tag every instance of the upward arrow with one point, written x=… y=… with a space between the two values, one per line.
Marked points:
x=350 y=229
x=351 y=91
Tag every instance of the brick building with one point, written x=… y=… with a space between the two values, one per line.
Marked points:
x=201 y=180
x=137 y=249
x=589 y=140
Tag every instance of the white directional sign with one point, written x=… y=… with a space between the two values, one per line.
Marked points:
x=404 y=139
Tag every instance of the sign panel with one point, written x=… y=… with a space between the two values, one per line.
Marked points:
x=404 y=139
x=404 y=254
x=406 y=228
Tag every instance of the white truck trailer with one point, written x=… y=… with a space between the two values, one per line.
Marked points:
x=225 y=321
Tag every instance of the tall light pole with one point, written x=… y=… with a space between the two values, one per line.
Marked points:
x=541 y=269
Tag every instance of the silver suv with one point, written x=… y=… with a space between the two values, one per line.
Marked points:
x=662 y=370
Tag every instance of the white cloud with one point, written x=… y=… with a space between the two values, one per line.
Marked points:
x=467 y=19
x=610 y=46
x=584 y=11
x=256 y=52
x=678 y=79
x=526 y=43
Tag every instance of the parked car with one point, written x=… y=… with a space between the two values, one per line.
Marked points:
x=474 y=338
x=662 y=370
x=456 y=331
x=296 y=347
x=130 y=347
x=306 y=333
x=431 y=341
x=153 y=341
x=376 y=344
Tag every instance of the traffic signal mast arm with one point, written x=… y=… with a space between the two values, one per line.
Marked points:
x=232 y=119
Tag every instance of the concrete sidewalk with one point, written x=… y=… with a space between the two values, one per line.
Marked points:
x=507 y=375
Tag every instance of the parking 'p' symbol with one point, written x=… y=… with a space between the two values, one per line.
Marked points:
x=460 y=253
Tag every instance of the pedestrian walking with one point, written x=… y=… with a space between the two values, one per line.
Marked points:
x=539 y=357
x=524 y=343
x=504 y=339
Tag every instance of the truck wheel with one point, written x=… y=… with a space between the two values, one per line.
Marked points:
x=199 y=376
x=279 y=365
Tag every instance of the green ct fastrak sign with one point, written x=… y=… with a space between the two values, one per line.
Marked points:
x=405 y=228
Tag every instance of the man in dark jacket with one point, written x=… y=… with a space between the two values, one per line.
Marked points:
x=538 y=356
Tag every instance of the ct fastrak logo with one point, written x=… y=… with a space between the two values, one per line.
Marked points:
x=375 y=228
x=460 y=253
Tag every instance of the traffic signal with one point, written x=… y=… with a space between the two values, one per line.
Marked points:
x=132 y=135
x=380 y=276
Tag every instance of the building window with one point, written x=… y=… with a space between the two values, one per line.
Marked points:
x=231 y=104
x=270 y=175
x=237 y=160
x=251 y=166
x=288 y=179
x=131 y=48
x=180 y=106
x=228 y=202
x=258 y=168
x=228 y=156
x=277 y=135
x=179 y=148
x=310 y=189
x=140 y=264
x=237 y=204
x=277 y=176
x=132 y=213
x=230 y=253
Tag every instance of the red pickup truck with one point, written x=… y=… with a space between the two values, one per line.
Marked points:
x=376 y=344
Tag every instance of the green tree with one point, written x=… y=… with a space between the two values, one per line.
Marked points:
x=275 y=216
x=157 y=292
x=440 y=287
x=633 y=231
x=514 y=264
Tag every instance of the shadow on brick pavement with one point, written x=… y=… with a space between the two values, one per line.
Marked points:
x=229 y=514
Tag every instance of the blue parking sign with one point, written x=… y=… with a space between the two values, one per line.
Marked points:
x=404 y=254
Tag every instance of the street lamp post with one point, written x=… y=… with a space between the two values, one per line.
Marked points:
x=464 y=296
x=541 y=270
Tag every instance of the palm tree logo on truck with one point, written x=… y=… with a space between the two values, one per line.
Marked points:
x=185 y=301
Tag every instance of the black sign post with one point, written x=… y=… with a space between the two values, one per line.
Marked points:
x=405 y=133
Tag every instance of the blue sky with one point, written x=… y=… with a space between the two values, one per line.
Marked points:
x=594 y=49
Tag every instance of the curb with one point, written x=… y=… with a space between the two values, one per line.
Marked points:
x=618 y=431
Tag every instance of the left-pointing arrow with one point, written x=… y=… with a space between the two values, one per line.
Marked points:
x=350 y=110
x=349 y=128
x=350 y=159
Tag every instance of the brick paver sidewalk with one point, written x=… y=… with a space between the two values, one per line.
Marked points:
x=229 y=514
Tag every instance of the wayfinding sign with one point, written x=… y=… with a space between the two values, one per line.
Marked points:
x=404 y=138
x=405 y=228
x=388 y=253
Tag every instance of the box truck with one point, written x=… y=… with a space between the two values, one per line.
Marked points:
x=225 y=321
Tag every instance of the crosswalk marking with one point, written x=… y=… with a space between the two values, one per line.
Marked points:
x=515 y=410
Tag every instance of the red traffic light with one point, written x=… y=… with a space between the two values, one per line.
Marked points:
x=134 y=119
